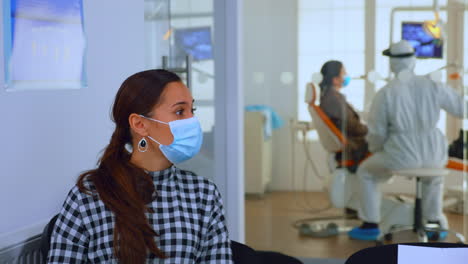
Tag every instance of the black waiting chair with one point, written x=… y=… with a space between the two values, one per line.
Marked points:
x=45 y=238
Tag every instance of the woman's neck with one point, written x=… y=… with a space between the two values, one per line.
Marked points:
x=150 y=160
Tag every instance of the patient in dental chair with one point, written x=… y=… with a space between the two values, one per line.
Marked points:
x=344 y=117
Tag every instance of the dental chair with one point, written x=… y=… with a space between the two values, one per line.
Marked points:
x=456 y=193
x=343 y=185
x=334 y=142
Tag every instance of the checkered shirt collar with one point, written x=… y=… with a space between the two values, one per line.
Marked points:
x=163 y=175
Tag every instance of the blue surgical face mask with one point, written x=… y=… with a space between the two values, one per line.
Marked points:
x=188 y=138
x=346 y=80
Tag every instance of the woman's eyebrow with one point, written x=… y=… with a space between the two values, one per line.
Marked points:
x=182 y=103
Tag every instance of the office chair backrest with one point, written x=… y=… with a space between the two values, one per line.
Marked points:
x=330 y=136
x=46 y=235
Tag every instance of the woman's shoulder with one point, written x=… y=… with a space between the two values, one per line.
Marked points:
x=332 y=96
x=82 y=193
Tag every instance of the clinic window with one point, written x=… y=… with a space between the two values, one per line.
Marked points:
x=331 y=30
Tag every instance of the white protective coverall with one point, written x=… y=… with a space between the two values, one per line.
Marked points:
x=403 y=135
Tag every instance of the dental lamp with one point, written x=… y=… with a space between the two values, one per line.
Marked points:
x=435 y=27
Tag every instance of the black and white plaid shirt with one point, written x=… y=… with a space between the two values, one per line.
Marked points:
x=188 y=216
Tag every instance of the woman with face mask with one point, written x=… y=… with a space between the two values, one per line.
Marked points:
x=136 y=206
x=342 y=114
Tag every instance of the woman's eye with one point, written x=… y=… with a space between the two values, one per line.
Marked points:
x=182 y=111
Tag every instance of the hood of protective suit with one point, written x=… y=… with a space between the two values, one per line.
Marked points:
x=401 y=56
x=398 y=65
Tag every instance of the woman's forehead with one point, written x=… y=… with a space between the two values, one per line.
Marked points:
x=176 y=92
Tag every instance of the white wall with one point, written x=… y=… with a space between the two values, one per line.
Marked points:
x=270 y=48
x=49 y=137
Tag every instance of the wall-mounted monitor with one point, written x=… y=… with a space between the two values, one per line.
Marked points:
x=424 y=44
x=195 y=42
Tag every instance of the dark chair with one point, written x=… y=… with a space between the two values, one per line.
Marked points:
x=45 y=238
x=388 y=254
x=243 y=254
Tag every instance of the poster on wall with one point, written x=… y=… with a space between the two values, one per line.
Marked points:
x=44 y=44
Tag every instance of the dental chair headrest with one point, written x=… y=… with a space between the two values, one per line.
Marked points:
x=311 y=94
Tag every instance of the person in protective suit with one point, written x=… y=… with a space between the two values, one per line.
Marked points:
x=403 y=134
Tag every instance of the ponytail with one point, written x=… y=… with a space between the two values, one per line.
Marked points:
x=127 y=198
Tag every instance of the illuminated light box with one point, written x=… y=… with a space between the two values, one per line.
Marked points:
x=44 y=44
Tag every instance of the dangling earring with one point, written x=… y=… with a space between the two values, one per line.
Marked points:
x=143 y=145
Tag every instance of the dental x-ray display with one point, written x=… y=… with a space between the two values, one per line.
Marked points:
x=424 y=44
x=44 y=44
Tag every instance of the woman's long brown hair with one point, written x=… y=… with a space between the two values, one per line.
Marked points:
x=124 y=188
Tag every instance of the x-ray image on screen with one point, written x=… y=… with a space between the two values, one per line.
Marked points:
x=424 y=44
x=45 y=44
x=195 y=42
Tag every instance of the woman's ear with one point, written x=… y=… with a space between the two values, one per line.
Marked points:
x=336 y=81
x=138 y=124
